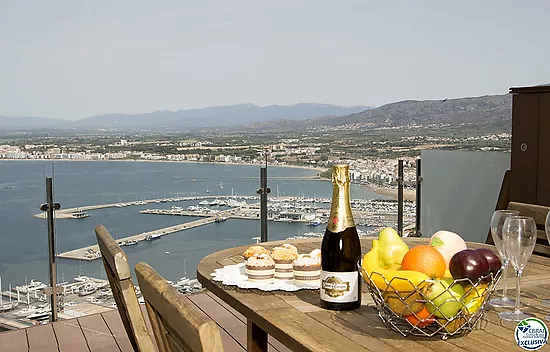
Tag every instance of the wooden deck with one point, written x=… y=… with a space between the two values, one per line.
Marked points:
x=105 y=332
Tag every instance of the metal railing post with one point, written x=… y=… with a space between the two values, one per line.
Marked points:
x=418 y=196
x=263 y=192
x=400 y=197
x=49 y=207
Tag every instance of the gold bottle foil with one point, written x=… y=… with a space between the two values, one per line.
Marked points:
x=340 y=213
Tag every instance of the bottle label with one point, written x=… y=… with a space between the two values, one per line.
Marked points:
x=339 y=287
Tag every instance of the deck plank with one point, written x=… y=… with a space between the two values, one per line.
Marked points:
x=232 y=326
x=69 y=336
x=226 y=306
x=15 y=340
x=114 y=323
x=41 y=338
x=97 y=333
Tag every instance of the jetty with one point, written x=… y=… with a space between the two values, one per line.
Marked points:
x=68 y=213
x=284 y=209
x=92 y=252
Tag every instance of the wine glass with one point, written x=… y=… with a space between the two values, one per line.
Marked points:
x=519 y=235
x=497 y=221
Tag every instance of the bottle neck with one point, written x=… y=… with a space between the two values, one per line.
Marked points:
x=341 y=217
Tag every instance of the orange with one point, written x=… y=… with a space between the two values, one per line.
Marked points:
x=423 y=319
x=425 y=259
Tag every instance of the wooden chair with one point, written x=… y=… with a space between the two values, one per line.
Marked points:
x=178 y=325
x=538 y=213
x=120 y=280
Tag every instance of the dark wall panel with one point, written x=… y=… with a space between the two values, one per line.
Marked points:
x=525 y=144
x=543 y=182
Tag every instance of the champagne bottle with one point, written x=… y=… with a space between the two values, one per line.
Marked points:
x=340 y=249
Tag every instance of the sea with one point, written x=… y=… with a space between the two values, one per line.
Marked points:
x=23 y=238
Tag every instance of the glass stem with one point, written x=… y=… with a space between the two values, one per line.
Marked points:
x=518 y=275
x=505 y=278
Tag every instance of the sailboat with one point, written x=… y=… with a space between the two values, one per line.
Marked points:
x=184 y=280
x=221 y=185
x=5 y=307
x=207 y=190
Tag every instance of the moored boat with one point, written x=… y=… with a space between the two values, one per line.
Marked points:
x=153 y=237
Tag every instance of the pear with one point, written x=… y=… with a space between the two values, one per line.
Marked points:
x=392 y=248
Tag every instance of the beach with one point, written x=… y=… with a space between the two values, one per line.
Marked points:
x=407 y=193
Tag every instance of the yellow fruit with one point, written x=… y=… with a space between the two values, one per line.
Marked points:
x=474 y=298
x=452 y=325
x=407 y=306
x=400 y=280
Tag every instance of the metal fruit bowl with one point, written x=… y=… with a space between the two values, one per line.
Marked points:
x=394 y=306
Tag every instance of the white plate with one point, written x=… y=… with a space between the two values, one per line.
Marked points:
x=234 y=275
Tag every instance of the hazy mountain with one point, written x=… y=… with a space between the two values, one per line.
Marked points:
x=486 y=108
x=215 y=116
x=490 y=109
x=30 y=123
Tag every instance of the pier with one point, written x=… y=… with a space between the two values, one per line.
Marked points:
x=67 y=213
x=303 y=210
x=92 y=252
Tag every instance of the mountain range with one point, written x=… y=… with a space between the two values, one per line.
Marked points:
x=214 y=116
x=490 y=109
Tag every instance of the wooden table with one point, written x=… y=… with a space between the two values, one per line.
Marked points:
x=297 y=320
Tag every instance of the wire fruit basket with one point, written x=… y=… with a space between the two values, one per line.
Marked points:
x=446 y=307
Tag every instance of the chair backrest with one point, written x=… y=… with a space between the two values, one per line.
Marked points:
x=120 y=280
x=538 y=213
x=178 y=325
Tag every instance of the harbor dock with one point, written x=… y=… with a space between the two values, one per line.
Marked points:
x=68 y=213
x=83 y=296
x=284 y=209
x=92 y=252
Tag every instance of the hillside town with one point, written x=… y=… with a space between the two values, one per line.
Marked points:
x=377 y=171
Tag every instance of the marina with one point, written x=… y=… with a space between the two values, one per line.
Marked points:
x=311 y=211
x=92 y=252
x=27 y=305
x=69 y=213
x=114 y=194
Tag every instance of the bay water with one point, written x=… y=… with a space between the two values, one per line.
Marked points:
x=23 y=238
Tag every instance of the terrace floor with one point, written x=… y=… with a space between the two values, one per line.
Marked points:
x=105 y=332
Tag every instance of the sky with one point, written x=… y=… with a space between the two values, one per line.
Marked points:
x=73 y=59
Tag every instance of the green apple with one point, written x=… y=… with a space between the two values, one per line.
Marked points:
x=445 y=298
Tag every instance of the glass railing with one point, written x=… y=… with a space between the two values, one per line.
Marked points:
x=127 y=189
x=171 y=199
x=24 y=243
x=460 y=191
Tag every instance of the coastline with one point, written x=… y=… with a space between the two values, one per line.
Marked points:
x=407 y=194
x=317 y=169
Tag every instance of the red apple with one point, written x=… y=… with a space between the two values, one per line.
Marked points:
x=469 y=264
x=492 y=260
